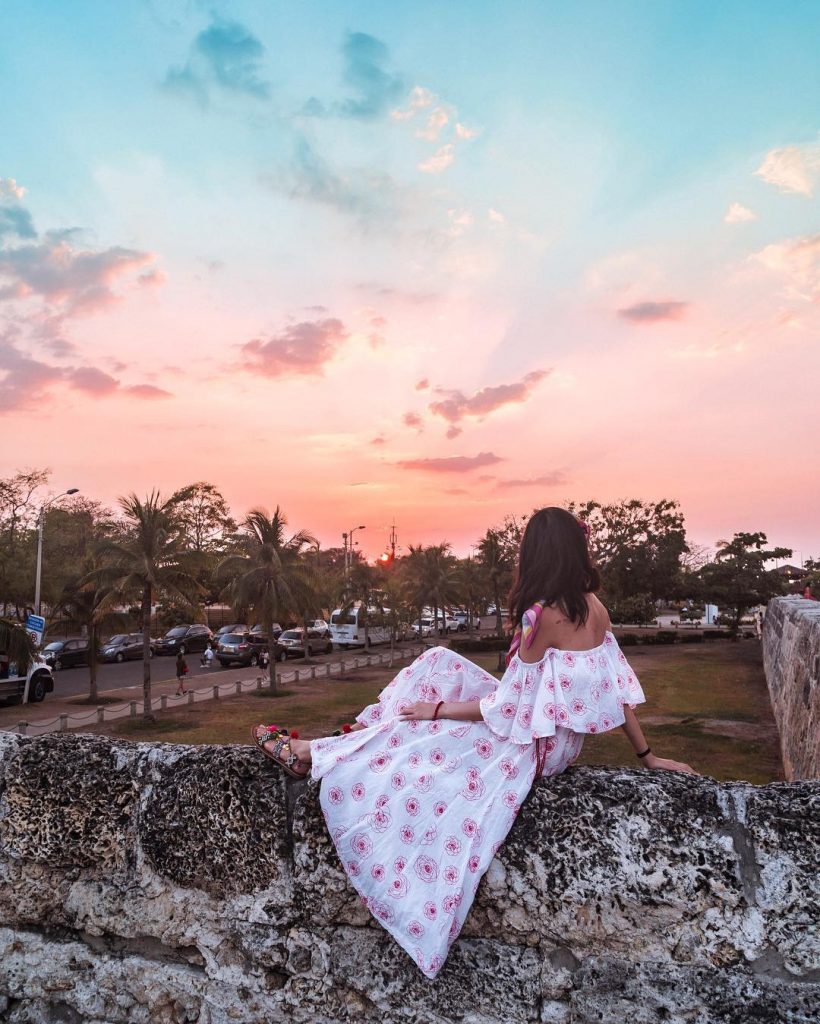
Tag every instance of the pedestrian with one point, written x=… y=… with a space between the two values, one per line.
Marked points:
x=420 y=793
x=182 y=671
x=207 y=657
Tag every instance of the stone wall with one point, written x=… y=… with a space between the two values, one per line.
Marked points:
x=791 y=659
x=154 y=883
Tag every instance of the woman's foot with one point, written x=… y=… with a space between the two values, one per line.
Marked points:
x=291 y=753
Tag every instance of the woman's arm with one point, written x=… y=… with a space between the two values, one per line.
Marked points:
x=634 y=734
x=457 y=710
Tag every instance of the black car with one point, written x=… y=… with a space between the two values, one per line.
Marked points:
x=241 y=648
x=65 y=654
x=223 y=631
x=183 y=640
x=290 y=643
x=123 y=647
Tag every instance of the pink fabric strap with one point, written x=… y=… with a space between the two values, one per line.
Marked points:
x=525 y=632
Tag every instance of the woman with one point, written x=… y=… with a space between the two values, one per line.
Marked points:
x=421 y=793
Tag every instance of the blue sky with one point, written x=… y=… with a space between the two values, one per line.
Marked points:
x=314 y=207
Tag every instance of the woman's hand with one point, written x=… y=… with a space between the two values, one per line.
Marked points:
x=422 y=711
x=666 y=764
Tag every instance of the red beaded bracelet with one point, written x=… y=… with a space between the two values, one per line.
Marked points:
x=438 y=707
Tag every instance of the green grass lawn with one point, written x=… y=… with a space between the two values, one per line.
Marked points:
x=707 y=704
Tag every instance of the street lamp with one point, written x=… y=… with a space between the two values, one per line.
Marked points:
x=349 y=549
x=42 y=516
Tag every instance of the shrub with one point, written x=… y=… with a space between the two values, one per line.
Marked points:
x=665 y=636
x=478 y=644
x=717 y=634
x=691 y=638
x=629 y=640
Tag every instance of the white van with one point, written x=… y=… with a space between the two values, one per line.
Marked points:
x=347 y=626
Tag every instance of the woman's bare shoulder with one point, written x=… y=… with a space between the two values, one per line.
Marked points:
x=596 y=605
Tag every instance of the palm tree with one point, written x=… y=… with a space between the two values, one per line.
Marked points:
x=271 y=577
x=414 y=578
x=441 y=579
x=148 y=560
x=472 y=586
x=88 y=602
x=497 y=567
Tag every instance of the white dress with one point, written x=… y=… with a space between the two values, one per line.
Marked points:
x=417 y=810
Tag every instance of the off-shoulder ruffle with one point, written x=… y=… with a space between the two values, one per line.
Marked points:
x=584 y=691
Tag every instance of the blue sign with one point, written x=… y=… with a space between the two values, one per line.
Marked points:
x=35 y=627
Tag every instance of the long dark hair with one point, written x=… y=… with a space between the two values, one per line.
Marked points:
x=554 y=565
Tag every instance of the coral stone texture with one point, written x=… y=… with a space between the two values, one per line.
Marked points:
x=164 y=883
x=791 y=659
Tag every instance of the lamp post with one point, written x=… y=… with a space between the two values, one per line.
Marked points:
x=41 y=521
x=349 y=550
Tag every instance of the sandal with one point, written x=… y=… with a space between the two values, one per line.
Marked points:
x=263 y=734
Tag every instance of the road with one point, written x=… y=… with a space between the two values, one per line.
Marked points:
x=70 y=682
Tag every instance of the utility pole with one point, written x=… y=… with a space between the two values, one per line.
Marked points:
x=393 y=539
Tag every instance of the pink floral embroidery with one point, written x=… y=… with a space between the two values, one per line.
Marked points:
x=424 y=783
x=412 y=806
x=414 y=760
x=508 y=767
x=398 y=780
x=382 y=911
x=578 y=706
x=437 y=756
x=335 y=795
x=426 y=868
x=379 y=761
x=407 y=834
x=361 y=844
x=483 y=748
x=451 y=874
x=381 y=820
x=510 y=799
x=439 y=808
x=382 y=800
x=561 y=715
x=416 y=929
x=398 y=887
x=592 y=727
x=508 y=710
x=353 y=868
x=429 y=836
x=430 y=911
x=452 y=845
x=469 y=827
x=377 y=871
x=568 y=658
x=434 y=727
x=357 y=791
x=566 y=682
x=525 y=715
x=474 y=863
x=474 y=789
x=394 y=741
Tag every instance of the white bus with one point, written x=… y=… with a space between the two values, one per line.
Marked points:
x=347 y=626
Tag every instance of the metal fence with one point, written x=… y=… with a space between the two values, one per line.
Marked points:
x=133 y=708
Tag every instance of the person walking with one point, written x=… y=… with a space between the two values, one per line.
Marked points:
x=421 y=792
x=182 y=671
x=207 y=657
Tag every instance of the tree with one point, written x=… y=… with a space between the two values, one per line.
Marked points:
x=147 y=561
x=472 y=587
x=495 y=556
x=738 y=578
x=441 y=579
x=15 y=644
x=270 y=577
x=19 y=508
x=638 y=546
x=89 y=603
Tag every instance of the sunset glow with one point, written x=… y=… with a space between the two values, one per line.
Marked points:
x=429 y=263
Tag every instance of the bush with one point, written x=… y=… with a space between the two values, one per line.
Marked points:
x=480 y=644
x=666 y=636
x=691 y=638
x=717 y=634
x=628 y=640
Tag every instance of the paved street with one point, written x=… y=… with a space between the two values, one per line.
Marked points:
x=71 y=682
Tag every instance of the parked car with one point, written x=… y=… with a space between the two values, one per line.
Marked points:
x=241 y=648
x=183 y=640
x=290 y=644
x=463 y=620
x=65 y=654
x=223 y=631
x=13 y=683
x=320 y=626
x=124 y=647
x=423 y=628
x=275 y=629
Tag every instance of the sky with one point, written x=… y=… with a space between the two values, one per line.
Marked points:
x=416 y=262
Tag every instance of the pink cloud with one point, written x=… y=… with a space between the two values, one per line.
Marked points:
x=92 y=381
x=654 y=312
x=457 y=405
x=548 y=480
x=453 y=464
x=423 y=384
x=149 y=392
x=302 y=349
x=412 y=419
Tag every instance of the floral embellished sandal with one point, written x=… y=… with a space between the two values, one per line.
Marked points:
x=282 y=753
